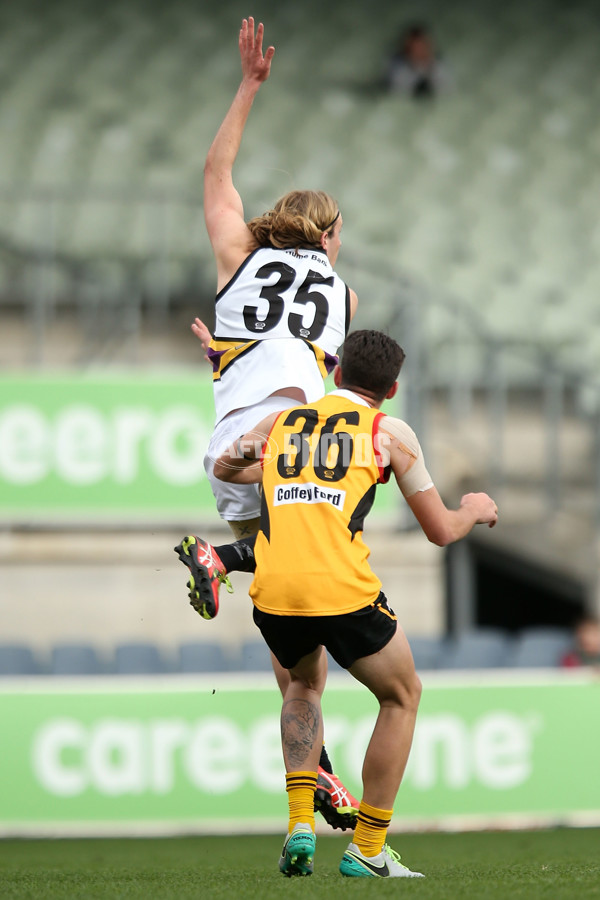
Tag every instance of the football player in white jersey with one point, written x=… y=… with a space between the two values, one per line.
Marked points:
x=281 y=313
x=281 y=310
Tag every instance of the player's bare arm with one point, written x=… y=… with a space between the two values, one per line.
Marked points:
x=442 y=526
x=223 y=209
x=241 y=462
x=353 y=303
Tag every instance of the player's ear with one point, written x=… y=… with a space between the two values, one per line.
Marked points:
x=337 y=376
x=392 y=391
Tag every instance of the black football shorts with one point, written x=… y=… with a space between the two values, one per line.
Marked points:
x=347 y=637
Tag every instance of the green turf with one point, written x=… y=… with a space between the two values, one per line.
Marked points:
x=557 y=864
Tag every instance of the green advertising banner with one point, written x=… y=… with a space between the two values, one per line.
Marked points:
x=203 y=754
x=98 y=446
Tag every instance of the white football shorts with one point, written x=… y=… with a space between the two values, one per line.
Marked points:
x=239 y=502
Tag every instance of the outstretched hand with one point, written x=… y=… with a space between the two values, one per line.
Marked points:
x=255 y=66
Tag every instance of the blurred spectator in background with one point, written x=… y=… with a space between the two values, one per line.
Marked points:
x=415 y=67
x=586 y=644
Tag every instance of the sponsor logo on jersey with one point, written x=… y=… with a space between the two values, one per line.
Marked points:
x=307 y=493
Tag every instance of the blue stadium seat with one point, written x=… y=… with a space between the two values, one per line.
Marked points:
x=486 y=648
x=426 y=652
x=202 y=656
x=18 y=659
x=138 y=658
x=255 y=657
x=75 y=659
x=541 y=647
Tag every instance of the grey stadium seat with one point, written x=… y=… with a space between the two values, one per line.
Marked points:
x=255 y=657
x=426 y=652
x=18 y=659
x=138 y=658
x=482 y=649
x=75 y=659
x=541 y=647
x=202 y=656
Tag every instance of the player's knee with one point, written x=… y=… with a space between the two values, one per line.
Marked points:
x=311 y=672
x=407 y=693
x=415 y=691
x=244 y=528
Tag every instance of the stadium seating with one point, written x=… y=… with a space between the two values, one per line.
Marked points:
x=75 y=659
x=540 y=648
x=426 y=651
x=485 y=648
x=18 y=659
x=138 y=658
x=481 y=649
x=486 y=195
x=202 y=656
x=255 y=657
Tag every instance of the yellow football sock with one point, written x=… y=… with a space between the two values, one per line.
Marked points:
x=371 y=828
x=301 y=787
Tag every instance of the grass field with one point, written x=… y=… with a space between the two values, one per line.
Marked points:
x=557 y=864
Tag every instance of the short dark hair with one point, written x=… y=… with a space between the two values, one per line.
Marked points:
x=371 y=360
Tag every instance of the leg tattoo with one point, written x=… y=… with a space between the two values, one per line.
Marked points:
x=300 y=722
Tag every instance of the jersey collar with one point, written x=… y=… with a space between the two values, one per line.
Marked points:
x=349 y=395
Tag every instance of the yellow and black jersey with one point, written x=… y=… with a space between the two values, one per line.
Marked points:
x=320 y=469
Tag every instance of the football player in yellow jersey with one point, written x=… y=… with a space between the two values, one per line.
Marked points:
x=313 y=588
x=281 y=312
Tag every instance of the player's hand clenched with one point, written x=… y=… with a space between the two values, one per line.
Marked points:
x=483 y=506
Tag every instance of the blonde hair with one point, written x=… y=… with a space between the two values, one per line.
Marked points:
x=298 y=219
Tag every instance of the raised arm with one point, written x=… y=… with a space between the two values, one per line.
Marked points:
x=353 y=303
x=223 y=209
